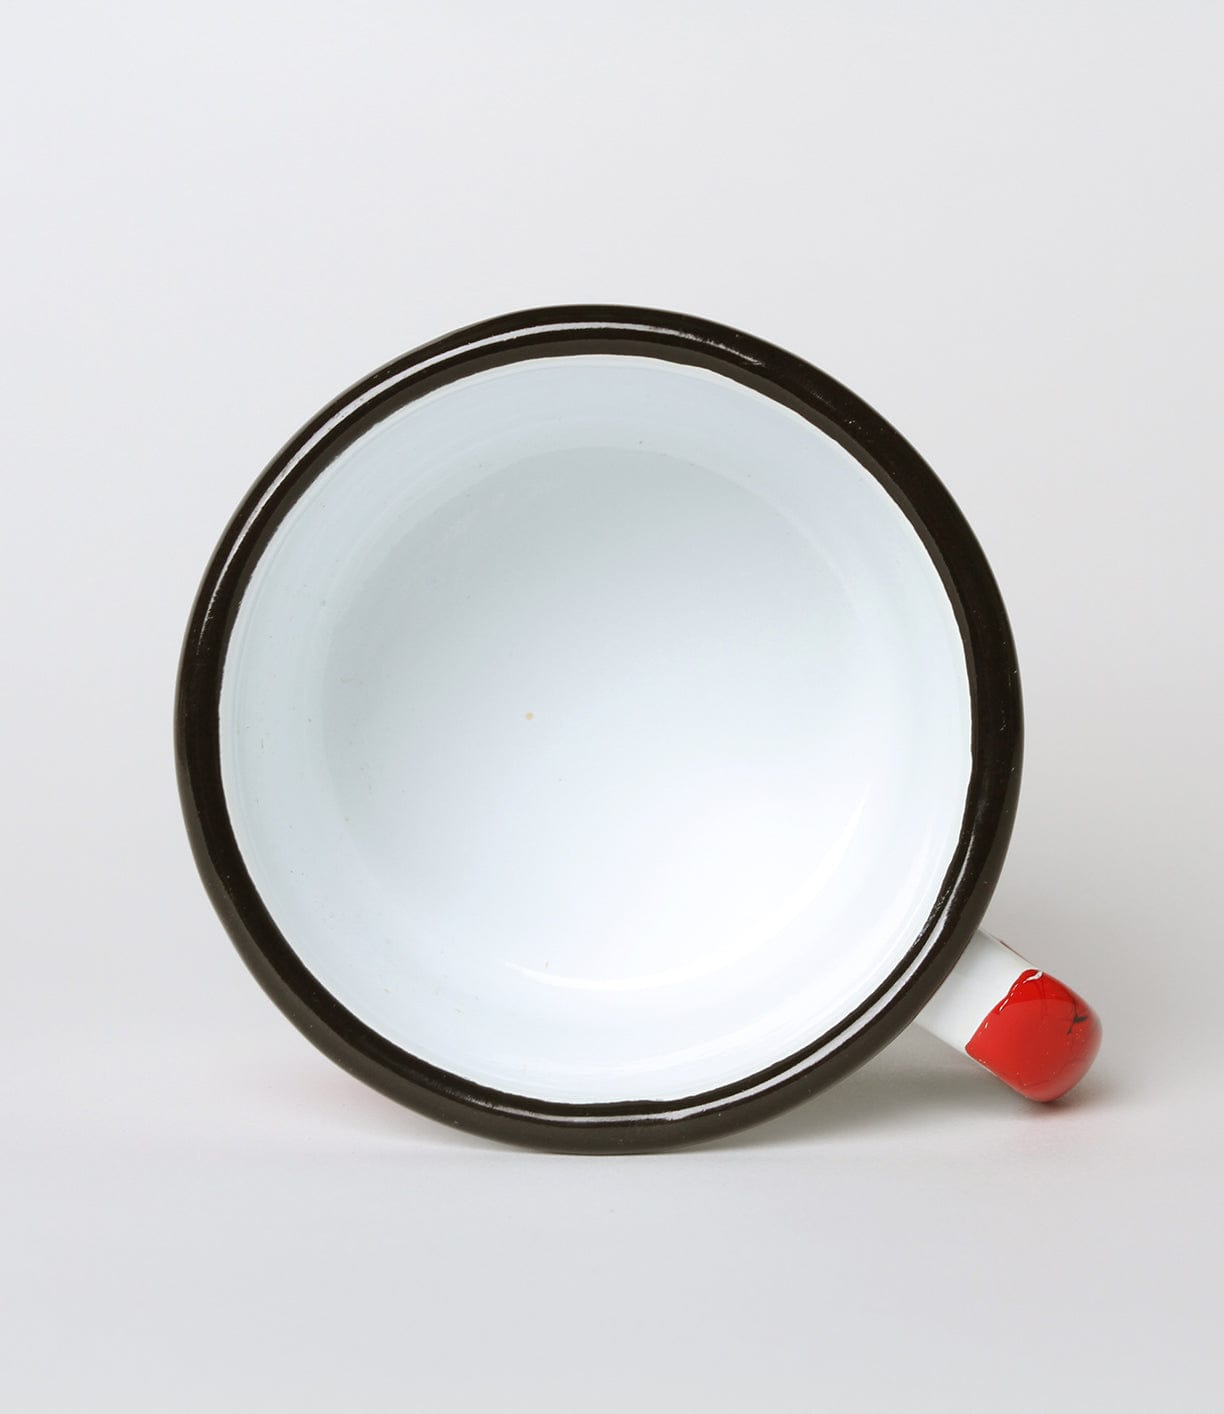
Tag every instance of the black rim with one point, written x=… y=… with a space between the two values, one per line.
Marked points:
x=994 y=697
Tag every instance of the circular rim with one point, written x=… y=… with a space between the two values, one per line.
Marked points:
x=994 y=706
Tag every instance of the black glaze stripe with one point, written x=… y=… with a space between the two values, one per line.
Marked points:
x=994 y=705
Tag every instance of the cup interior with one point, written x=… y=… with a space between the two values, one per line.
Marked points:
x=597 y=728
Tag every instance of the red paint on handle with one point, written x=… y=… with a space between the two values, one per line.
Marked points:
x=1040 y=1039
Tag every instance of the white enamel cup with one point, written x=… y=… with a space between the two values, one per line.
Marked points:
x=600 y=729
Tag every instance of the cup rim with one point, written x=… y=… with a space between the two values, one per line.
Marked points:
x=995 y=715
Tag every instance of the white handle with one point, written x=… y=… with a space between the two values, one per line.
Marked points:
x=1025 y=1026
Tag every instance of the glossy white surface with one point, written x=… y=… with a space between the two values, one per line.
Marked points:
x=597 y=729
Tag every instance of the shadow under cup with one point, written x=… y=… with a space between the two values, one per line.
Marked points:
x=599 y=729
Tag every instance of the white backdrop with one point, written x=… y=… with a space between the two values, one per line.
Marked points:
x=1001 y=225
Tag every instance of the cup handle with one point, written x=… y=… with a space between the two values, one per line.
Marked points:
x=1034 y=1033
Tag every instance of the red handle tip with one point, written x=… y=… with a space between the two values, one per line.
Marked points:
x=1040 y=1039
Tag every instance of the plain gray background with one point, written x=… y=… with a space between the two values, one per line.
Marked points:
x=1003 y=226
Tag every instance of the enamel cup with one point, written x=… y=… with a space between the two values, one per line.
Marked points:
x=599 y=729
